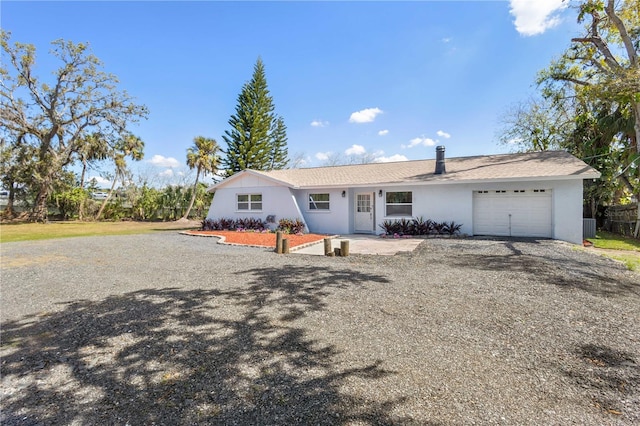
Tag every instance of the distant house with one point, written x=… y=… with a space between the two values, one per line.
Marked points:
x=536 y=194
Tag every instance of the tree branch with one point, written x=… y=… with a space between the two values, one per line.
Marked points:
x=602 y=48
x=571 y=80
x=624 y=35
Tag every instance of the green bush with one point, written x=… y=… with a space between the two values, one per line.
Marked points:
x=224 y=224
x=291 y=226
x=419 y=226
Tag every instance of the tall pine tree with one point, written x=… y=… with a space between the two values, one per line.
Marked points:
x=258 y=137
x=279 y=150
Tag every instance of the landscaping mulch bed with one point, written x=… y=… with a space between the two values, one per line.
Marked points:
x=259 y=239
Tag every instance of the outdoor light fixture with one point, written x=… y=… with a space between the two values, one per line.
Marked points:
x=344 y=194
x=380 y=193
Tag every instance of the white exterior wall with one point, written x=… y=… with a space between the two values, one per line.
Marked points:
x=444 y=202
x=435 y=202
x=454 y=202
x=566 y=205
x=332 y=221
x=567 y=211
x=276 y=200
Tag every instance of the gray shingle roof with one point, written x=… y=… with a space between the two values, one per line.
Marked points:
x=503 y=167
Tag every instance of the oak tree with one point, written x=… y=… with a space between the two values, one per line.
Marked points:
x=54 y=117
x=603 y=66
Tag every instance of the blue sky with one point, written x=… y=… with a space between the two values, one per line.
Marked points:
x=390 y=79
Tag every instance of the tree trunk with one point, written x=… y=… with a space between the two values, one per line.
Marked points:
x=82 y=176
x=45 y=172
x=636 y=231
x=106 y=200
x=84 y=171
x=193 y=196
x=39 y=212
x=9 y=211
x=636 y=127
x=81 y=210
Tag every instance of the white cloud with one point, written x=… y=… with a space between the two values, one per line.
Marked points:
x=355 y=150
x=323 y=156
x=420 y=141
x=162 y=161
x=446 y=39
x=443 y=134
x=514 y=141
x=167 y=173
x=383 y=132
x=100 y=181
x=365 y=116
x=319 y=123
x=536 y=16
x=395 y=157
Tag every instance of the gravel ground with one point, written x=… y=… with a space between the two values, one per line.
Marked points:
x=170 y=329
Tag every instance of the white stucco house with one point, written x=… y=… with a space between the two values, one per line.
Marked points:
x=536 y=194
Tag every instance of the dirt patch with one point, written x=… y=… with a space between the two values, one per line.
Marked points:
x=258 y=239
x=33 y=260
x=612 y=251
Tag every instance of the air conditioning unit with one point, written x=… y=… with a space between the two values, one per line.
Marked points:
x=588 y=228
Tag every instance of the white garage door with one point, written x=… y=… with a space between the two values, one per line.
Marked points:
x=509 y=213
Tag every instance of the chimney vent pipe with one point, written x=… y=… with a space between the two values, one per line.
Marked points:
x=440 y=166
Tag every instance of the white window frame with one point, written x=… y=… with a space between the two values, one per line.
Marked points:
x=250 y=202
x=319 y=205
x=387 y=204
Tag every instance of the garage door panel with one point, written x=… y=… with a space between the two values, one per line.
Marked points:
x=509 y=213
x=487 y=217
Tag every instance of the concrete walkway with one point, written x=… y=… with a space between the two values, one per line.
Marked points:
x=365 y=244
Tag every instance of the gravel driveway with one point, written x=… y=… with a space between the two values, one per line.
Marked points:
x=170 y=329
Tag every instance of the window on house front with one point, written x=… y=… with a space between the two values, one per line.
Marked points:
x=318 y=201
x=249 y=201
x=399 y=203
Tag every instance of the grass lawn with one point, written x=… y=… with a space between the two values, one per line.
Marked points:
x=607 y=240
x=613 y=242
x=10 y=232
x=632 y=261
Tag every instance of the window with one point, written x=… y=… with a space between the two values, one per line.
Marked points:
x=364 y=203
x=318 y=201
x=399 y=203
x=249 y=201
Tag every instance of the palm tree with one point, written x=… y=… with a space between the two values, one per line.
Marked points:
x=94 y=148
x=131 y=146
x=202 y=156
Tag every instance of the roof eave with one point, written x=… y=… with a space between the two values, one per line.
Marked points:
x=242 y=173
x=445 y=181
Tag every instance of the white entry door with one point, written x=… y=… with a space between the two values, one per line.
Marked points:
x=364 y=212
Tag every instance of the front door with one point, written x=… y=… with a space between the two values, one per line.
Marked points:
x=364 y=212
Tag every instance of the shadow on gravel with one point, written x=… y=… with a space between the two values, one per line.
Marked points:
x=612 y=376
x=175 y=356
x=554 y=266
